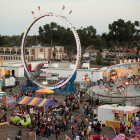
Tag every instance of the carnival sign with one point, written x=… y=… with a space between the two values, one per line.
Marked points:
x=45 y=75
x=118 y=111
x=2 y=94
x=108 y=123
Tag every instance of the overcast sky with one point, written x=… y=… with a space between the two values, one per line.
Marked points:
x=15 y=15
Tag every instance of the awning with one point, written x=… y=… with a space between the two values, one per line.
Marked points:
x=44 y=91
x=34 y=101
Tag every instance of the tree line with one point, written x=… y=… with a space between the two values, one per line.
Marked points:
x=122 y=34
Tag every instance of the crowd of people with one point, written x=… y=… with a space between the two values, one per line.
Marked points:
x=55 y=119
x=65 y=116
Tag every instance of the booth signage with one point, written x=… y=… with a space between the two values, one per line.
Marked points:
x=46 y=75
x=117 y=111
x=84 y=77
x=128 y=112
x=129 y=60
x=2 y=94
x=82 y=85
x=122 y=112
x=134 y=111
x=108 y=123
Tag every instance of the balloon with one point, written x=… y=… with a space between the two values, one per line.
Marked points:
x=28 y=121
x=16 y=119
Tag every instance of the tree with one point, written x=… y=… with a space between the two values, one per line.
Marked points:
x=4 y=42
x=97 y=44
x=54 y=54
x=123 y=34
x=99 y=59
x=87 y=36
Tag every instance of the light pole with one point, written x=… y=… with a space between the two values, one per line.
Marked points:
x=126 y=83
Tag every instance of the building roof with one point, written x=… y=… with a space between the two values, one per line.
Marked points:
x=12 y=66
x=14 y=55
x=123 y=108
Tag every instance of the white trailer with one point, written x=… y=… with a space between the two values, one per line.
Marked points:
x=15 y=71
x=115 y=113
x=10 y=81
x=71 y=66
x=54 y=65
x=85 y=66
x=94 y=75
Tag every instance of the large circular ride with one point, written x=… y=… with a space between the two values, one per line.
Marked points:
x=78 y=44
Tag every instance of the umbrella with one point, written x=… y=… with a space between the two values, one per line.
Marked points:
x=44 y=91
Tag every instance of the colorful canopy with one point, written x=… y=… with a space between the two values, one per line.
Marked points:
x=34 y=101
x=44 y=91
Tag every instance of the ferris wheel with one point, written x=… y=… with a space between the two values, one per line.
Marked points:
x=78 y=44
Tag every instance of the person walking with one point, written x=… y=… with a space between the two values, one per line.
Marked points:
x=98 y=127
x=20 y=132
x=56 y=133
x=92 y=128
x=10 y=90
x=82 y=120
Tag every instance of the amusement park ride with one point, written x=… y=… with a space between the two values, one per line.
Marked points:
x=65 y=85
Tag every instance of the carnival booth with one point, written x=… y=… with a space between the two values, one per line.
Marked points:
x=34 y=101
x=114 y=114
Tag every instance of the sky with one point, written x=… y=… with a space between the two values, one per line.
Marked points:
x=15 y=15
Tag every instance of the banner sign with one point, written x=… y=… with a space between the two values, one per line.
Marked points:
x=45 y=75
x=2 y=94
x=3 y=100
x=2 y=72
x=125 y=112
x=67 y=138
x=11 y=102
x=129 y=60
x=108 y=123
x=82 y=85
x=121 y=71
x=118 y=111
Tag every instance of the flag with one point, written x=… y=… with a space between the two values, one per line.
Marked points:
x=70 y=12
x=63 y=7
x=112 y=126
x=2 y=63
x=119 y=138
x=67 y=138
x=38 y=7
x=33 y=12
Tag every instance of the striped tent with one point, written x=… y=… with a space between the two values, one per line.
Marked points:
x=34 y=101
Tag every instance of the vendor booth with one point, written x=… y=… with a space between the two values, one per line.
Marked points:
x=2 y=98
x=116 y=114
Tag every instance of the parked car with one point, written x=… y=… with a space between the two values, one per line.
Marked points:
x=56 y=59
x=92 y=62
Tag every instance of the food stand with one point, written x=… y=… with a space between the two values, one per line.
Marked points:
x=117 y=114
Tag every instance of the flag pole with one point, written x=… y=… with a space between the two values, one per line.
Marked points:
x=33 y=16
x=32 y=13
x=61 y=12
x=68 y=15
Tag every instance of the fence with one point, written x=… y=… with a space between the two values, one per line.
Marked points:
x=134 y=100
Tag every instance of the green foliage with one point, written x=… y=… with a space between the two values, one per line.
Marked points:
x=27 y=44
x=4 y=42
x=54 y=54
x=97 y=44
x=70 y=59
x=99 y=59
x=124 y=32
x=87 y=36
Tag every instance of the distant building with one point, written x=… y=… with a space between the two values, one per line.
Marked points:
x=32 y=53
